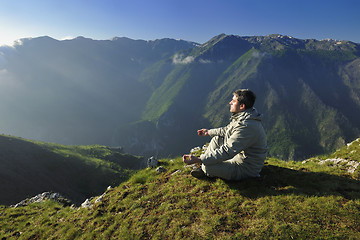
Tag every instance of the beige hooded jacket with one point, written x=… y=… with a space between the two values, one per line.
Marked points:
x=244 y=141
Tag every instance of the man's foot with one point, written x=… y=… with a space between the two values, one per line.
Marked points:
x=198 y=173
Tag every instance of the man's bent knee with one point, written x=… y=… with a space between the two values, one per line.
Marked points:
x=217 y=170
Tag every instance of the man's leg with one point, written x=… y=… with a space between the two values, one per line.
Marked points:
x=229 y=170
x=223 y=169
x=215 y=143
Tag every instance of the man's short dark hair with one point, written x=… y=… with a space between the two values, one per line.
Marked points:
x=245 y=96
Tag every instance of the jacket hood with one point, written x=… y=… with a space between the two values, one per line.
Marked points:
x=249 y=114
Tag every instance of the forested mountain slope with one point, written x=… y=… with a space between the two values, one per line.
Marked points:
x=149 y=97
x=308 y=91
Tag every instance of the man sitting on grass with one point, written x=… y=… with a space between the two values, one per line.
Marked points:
x=238 y=150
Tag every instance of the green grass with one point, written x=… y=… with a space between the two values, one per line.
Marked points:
x=292 y=200
x=163 y=97
x=351 y=151
x=29 y=167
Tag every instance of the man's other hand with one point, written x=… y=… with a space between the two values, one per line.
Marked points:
x=203 y=132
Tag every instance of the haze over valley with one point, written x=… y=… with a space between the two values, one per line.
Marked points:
x=149 y=97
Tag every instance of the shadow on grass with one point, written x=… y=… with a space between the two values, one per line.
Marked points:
x=276 y=180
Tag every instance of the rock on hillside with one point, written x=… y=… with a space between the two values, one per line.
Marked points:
x=346 y=158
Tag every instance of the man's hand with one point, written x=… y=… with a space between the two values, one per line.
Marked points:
x=190 y=159
x=203 y=132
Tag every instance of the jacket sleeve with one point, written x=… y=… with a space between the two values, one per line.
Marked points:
x=242 y=136
x=218 y=131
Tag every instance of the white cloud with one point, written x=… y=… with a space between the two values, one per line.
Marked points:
x=256 y=54
x=204 y=61
x=67 y=38
x=6 y=44
x=6 y=41
x=179 y=59
x=20 y=42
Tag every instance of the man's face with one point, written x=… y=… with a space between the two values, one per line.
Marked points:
x=235 y=105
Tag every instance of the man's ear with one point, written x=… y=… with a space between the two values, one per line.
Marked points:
x=242 y=106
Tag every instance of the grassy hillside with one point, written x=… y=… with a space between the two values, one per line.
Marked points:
x=292 y=200
x=28 y=168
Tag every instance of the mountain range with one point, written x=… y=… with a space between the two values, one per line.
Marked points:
x=149 y=97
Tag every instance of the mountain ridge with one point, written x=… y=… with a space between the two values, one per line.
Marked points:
x=278 y=62
x=90 y=91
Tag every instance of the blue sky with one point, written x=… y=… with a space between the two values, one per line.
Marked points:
x=193 y=20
